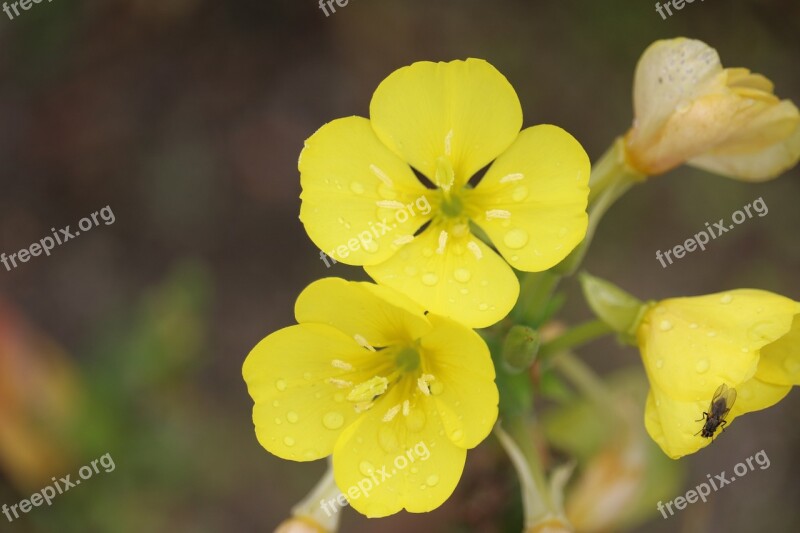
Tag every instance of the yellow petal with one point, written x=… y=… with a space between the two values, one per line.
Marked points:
x=299 y=415
x=670 y=74
x=532 y=201
x=363 y=311
x=689 y=344
x=462 y=110
x=760 y=165
x=467 y=281
x=373 y=464
x=464 y=391
x=675 y=425
x=358 y=197
x=780 y=361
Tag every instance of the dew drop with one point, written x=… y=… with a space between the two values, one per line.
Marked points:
x=427 y=252
x=366 y=468
x=660 y=363
x=457 y=435
x=415 y=420
x=310 y=454
x=745 y=349
x=562 y=231
x=484 y=282
x=463 y=290
x=410 y=270
x=483 y=307
x=280 y=385
x=516 y=238
x=693 y=326
x=432 y=480
x=414 y=470
x=387 y=438
x=292 y=417
x=701 y=366
x=276 y=403
x=357 y=188
x=289 y=441
x=726 y=299
x=436 y=388
x=278 y=421
x=333 y=420
x=792 y=365
x=711 y=333
x=665 y=325
x=430 y=279
x=520 y=193
x=462 y=275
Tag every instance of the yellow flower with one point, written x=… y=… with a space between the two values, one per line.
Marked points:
x=363 y=205
x=747 y=339
x=688 y=108
x=395 y=394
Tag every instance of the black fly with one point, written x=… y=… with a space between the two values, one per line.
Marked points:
x=721 y=403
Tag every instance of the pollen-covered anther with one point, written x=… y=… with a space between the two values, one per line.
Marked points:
x=404 y=239
x=341 y=383
x=363 y=342
x=472 y=246
x=342 y=365
x=390 y=204
x=512 y=177
x=497 y=213
x=406 y=407
x=381 y=175
x=424 y=383
x=442 y=242
x=368 y=390
x=391 y=413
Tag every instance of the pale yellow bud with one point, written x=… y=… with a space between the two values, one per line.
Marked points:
x=688 y=109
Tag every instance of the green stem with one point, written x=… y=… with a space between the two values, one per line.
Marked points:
x=576 y=336
x=586 y=381
x=536 y=290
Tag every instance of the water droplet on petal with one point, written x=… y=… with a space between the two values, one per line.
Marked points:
x=292 y=417
x=711 y=333
x=701 y=366
x=483 y=307
x=387 y=438
x=410 y=270
x=520 y=193
x=457 y=435
x=427 y=252
x=415 y=420
x=357 y=188
x=366 y=468
x=289 y=441
x=462 y=274
x=660 y=363
x=276 y=403
x=280 y=385
x=432 y=480
x=430 y=279
x=516 y=238
x=436 y=388
x=693 y=326
x=278 y=421
x=726 y=299
x=665 y=325
x=463 y=290
x=333 y=420
x=414 y=470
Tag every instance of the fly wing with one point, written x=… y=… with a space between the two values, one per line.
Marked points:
x=729 y=395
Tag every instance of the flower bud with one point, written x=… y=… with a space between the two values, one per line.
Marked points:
x=520 y=348
x=621 y=311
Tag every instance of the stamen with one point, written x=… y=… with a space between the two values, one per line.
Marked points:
x=448 y=143
x=381 y=175
x=391 y=413
x=497 y=213
x=341 y=383
x=363 y=406
x=363 y=342
x=338 y=363
x=442 y=242
x=406 y=407
x=512 y=177
x=368 y=390
x=390 y=204
x=404 y=239
x=424 y=383
x=472 y=246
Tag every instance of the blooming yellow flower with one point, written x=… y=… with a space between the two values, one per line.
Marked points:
x=368 y=376
x=688 y=108
x=747 y=339
x=363 y=205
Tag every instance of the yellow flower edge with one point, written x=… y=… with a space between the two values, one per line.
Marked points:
x=745 y=338
x=397 y=415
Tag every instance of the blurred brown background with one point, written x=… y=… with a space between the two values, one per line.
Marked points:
x=187 y=117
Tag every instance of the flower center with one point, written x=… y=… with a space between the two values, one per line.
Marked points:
x=451 y=205
x=407 y=359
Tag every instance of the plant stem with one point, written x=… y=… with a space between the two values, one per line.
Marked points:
x=587 y=381
x=576 y=336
